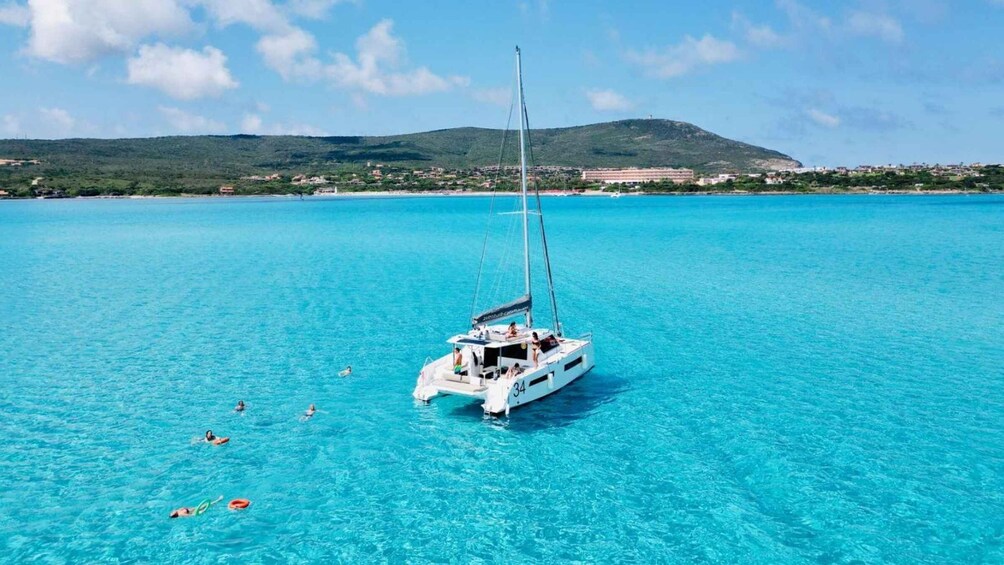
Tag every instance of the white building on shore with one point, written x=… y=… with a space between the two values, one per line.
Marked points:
x=635 y=176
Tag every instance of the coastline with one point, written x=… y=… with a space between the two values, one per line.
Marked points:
x=476 y=194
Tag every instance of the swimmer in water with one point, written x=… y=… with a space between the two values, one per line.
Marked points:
x=210 y=437
x=240 y=406
x=310 y=411
x=183 y=512
x=188 y=511
x=348 y=370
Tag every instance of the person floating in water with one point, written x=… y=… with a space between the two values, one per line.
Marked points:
x=183 y=512
x=240 y=406
x=310 y=411
x=346 y=371
x=188 y=511
x=210 y=438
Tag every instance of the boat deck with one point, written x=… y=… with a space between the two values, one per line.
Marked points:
x=462 y=389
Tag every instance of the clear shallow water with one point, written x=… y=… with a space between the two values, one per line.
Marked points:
x=783 y=379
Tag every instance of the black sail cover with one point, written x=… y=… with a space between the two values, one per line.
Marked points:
x=518 y=306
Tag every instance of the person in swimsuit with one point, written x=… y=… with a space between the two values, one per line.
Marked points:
x=310 y=411
x=535 y=345
x=240 y=406
x=210 y=437
x=514 y=371
x=512 y=331
x=183 y=512
x=458 y=361
x=348 y=370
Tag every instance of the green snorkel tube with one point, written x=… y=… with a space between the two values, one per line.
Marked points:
x=204 y=505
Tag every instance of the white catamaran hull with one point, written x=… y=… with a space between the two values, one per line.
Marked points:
x=573 y=359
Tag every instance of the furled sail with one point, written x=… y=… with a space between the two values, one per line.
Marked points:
x=518 y=306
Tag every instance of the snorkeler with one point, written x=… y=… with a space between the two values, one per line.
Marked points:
x=188 y=511
x=183 y=512
x=210 y=438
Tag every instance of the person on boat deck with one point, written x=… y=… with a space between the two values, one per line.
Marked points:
x=512 y=331
x=310 y=411
x=514 y=371
x=458 y=361
x=535 y=346
x=240 y=406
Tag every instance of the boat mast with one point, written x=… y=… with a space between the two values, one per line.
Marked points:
x=522 y=175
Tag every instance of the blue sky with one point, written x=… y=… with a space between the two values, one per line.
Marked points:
x=830 y=83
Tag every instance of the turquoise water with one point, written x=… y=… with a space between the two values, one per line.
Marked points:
x=782 y=379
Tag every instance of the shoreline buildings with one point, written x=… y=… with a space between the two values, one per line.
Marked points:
x=634 y=175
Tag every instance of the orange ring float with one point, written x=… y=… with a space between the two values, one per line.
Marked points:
x=239 y=504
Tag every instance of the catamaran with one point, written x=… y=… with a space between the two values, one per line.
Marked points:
x=510 y=365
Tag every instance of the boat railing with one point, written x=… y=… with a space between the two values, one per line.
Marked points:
x=426 y=375
x=588 y=336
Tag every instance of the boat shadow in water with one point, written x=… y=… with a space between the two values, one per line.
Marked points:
x=572 y=403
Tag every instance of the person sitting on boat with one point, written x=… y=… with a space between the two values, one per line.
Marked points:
x=512 y=331
x=514 y=371
x=240 y=406
x=458 y=361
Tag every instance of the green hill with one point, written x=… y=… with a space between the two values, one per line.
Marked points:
x=206 y=161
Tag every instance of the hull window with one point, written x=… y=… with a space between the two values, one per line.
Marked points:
x=538 y=380
x=571 y=364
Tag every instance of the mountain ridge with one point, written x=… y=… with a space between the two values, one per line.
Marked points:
x=622 y=143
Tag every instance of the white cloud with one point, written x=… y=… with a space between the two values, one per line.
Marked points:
x=379 y=56
x=497 y=96
x=608 y=101
x=58 y=120
x=822 y=118
x=758 y=35
x=77 y=31
x=803 y=18
x=14 y=15
x=181 y=73
x=11 y=125
x=875 y=25
x=186 y=122
x=291 y=54
x=316 y=9
x=259 y=14
x=688 y=55
x=253 y=124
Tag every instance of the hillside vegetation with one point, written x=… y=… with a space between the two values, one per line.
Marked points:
x=202 y=163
